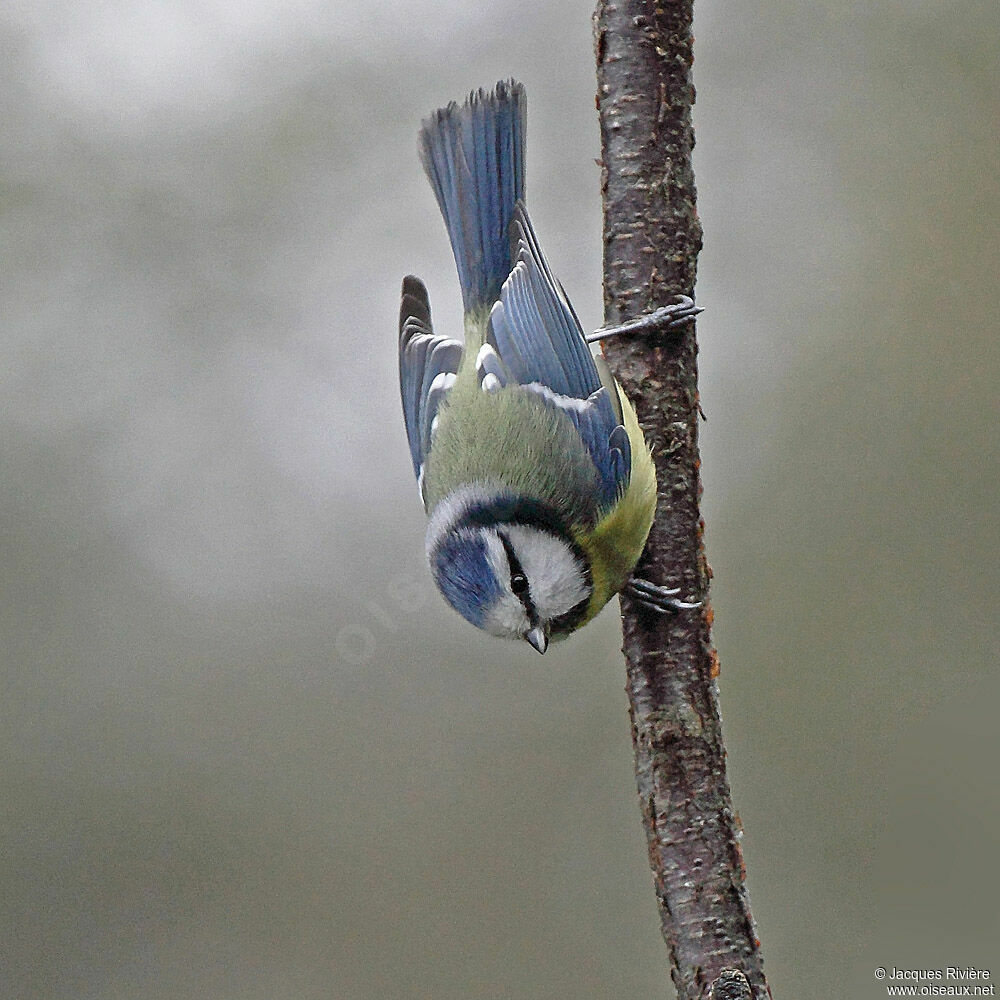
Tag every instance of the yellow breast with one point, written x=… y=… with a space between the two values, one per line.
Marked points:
x=615 y=543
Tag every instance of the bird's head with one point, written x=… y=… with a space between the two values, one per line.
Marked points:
x=509 y=566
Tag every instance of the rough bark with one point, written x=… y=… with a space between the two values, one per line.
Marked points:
x=651 y=241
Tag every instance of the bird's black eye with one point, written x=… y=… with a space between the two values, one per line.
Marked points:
x=519 y=583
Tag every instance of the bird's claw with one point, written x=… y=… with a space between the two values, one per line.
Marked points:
x=667 y=318
x=663 y=600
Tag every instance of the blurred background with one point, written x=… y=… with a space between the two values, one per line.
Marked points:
x=247 y=752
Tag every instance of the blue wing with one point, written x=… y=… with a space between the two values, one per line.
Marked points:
x=533 y=325
x=541 y=345
x=427 y=367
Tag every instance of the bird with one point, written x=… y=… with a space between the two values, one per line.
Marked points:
x=538 y=484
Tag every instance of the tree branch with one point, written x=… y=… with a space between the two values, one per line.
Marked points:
x=651 y=241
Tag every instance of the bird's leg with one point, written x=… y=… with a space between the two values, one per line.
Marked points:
x=668 y=318
x=660 y=599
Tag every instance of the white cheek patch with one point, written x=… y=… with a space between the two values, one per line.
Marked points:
x=557 y=581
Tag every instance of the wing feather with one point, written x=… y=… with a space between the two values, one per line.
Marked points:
x=425 y=362
x=540 y=341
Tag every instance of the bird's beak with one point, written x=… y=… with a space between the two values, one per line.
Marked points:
x=538 y=638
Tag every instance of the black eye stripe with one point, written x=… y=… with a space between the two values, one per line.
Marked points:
x=561 y=624
x=518 y=578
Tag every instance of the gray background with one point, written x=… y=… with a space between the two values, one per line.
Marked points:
x=246 y=750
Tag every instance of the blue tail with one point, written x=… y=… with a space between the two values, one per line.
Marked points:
x=474 y=158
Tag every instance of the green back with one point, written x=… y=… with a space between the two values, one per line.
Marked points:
x=509 y=439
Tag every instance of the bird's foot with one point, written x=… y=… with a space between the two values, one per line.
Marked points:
x=668 y=318
x=663 y=600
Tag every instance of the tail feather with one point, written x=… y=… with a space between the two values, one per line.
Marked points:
x=473 y=155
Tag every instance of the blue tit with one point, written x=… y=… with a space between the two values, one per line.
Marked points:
x=539 y=486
